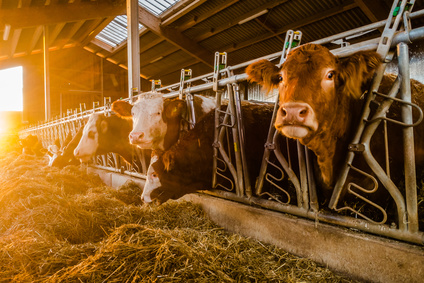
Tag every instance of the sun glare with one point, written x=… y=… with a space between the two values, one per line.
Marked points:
x=11 y=84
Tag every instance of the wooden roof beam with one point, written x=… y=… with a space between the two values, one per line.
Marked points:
x=188 y=45
x=205 y=16
x=236 y=20
x=35 y=38
x=53 y=14
x=293 y=26
x=375 y=10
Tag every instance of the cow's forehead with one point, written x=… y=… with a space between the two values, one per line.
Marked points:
x=151 y=103
x=91 y=123
x=312 y=60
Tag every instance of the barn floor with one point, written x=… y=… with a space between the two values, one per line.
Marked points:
x=67 y=226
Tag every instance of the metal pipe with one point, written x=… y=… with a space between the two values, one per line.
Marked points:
x=408 y=139
x=47 y=110
x=133 y=49
x=355 y=223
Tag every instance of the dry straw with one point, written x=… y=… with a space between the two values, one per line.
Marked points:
x=66 y=226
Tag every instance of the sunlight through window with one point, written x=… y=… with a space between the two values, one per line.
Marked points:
x=11 y=84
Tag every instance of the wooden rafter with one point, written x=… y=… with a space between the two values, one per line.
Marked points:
x=35 y=38
x=15 y=40
x=236 y=20
x=177 y=12
x=204 y=16
x=54 y=34
x=174 y=67
x=294 y=25
x=191 y=47
x=76 y=26
x=375 y=10
x=95 y=31
x=53 y=14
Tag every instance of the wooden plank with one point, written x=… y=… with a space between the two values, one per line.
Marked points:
x=236 y=20
x=205 y=16
x=292 y=26
x=35 y=38
x=53 y=14
x=188 y=45
x=375 y=10
x=14 y=41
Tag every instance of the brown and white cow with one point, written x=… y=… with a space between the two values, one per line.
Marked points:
x=156 y=120
x=64 y=155
x=320 y=101
x=186 y=167
x=102 y=134
x=32 y=145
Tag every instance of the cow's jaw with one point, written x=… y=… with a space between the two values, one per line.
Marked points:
x=152 y=181
x=89 y=142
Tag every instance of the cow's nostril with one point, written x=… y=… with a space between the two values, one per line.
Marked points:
x=141 y=135
x=303 y=112
x=283 y=112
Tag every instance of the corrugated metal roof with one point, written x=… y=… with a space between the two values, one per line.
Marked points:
x=116 y=31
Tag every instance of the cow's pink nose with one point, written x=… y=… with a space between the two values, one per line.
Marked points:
x=134 y=137
x=293 y=113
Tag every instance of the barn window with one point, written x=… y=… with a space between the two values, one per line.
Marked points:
x=11 y=84
x=116 y=31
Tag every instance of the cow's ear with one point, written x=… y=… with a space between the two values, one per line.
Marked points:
x=264 y=73
x=174 y=108
x=168 y=160
x=103 y=126
x=356 y=70
x=122 y=108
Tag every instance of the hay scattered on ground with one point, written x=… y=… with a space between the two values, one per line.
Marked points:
x=67 y=226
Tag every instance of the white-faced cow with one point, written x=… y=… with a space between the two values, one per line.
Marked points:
x=31 y=145
x=320 y=102
x=186 y=167
x=156 y=120
x=104 y=134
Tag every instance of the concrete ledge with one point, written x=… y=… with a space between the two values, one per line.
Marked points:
x=114 y=179
x=357 y=255
x=360 y=256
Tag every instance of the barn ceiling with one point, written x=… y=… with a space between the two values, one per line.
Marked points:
x=179 y=34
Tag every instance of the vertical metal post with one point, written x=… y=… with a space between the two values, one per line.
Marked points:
x=47 y=110
x=133 y=47
x=101 y=80
x=408 y=139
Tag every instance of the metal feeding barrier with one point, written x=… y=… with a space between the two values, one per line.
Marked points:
x=286 y=180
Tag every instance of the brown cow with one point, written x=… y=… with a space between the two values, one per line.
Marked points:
x=187 y=166
x=320 y=101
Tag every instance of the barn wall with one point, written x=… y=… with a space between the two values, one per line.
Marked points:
x=75 y=77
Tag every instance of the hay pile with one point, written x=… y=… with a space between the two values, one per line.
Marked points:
x=66 y=226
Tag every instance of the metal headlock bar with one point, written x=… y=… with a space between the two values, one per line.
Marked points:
x=272 y=145
x=407 y=214
x=156 y=84
x=230 y=168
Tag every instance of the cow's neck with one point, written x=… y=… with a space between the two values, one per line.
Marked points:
x=330 y=142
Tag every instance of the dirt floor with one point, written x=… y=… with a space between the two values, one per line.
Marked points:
x=67 y=226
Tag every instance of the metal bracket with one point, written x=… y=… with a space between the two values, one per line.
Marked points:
x=220 y=64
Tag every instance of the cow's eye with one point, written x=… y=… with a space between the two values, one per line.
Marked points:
x=280 y=78
x=91 y=134
x=330 y=75
x=154 y=175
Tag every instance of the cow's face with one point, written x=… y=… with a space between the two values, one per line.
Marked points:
x=89 y=143
x=307 y=92
x=152 y=117
x=313 y=87
x=162 y=181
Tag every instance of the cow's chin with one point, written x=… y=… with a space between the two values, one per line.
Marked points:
x=295 y=131
x=143 y=144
